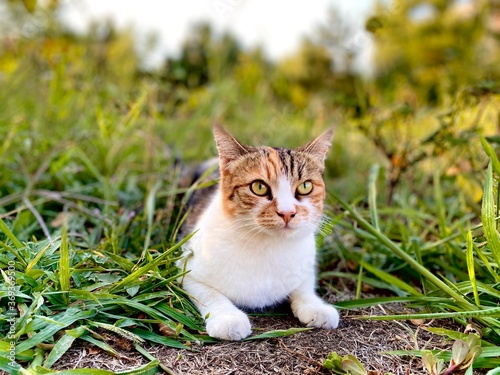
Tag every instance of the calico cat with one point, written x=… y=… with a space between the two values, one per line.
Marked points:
x=255 y=244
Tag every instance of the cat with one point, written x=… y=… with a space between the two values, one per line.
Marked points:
x=255 y=240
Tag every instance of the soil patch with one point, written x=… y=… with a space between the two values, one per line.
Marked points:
x=302 y=353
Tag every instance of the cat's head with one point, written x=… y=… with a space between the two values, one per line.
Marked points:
x=273 y=190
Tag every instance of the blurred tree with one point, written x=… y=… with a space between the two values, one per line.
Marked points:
x=426 y=50
x=301 y=75
x=204 y=57
x=251 y=71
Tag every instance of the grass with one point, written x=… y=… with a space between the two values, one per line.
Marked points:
x=89 y=212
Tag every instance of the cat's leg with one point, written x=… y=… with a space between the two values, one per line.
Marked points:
x=310 y=309
x=223 y=320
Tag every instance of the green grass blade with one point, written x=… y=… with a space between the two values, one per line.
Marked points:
x=368 y=302
x=470 y=267
x=482 y=256
x=493 y=313
x=491 y=154
x=277 y=333
x=9 y=367
x=62 y=346
x=37 y=258
x=162 y=340
x=77 y=371
x=488 y=215
x=102 y=345
x=379 y=284
x=5 y=229
x=64 y=275
x=150 y=212
x=392 y=280
x=148 y=355
x=149 y=369
x=495 y=371
x=372 y=195
x=440 y=205
x=179 y=316
x=34 y=306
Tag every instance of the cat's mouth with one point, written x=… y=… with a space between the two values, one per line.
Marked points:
x=287 y=229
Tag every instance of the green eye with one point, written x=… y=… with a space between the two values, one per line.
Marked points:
x=259 y=188
x=305 y=188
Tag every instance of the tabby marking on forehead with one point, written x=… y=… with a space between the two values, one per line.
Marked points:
x=282 y=170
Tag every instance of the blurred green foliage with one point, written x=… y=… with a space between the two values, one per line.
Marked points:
x=93 y=142
x=434 y=88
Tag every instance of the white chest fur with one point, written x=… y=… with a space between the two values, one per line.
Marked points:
x=251 y=268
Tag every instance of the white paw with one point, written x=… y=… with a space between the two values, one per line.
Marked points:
x=318 y=315
x=229 y=326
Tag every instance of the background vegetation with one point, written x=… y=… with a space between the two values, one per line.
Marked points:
x=92 y=147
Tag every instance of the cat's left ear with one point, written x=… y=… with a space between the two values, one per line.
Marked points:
x=319 y=146
x=229 y=147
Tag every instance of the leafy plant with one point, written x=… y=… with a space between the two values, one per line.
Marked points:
x=348 y=364
x=463 y=354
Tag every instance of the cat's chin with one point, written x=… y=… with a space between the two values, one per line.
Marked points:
x=288 y=231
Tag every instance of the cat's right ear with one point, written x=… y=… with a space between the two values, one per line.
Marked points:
x=229 y=147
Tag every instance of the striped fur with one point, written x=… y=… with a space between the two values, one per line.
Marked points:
x=242 y=164
x=255 y=244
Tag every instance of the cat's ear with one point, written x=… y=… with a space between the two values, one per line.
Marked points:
x=229 y=147
x=319 y=146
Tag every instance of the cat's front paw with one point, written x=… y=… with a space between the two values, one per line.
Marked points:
x=232 y=326
x=317 y=315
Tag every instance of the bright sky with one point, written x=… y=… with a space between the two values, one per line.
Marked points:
x=277 y=26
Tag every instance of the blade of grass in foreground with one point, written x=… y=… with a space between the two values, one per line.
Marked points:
x=488 y=216
x=277 y=333
x=5 y=229
x=492 y=154
x=470 y=267
x=368 y=302
x=7 y=366
x=62 y=345
x=372 y=195
x=149 y=369
x=493 y=313
x=64 y=264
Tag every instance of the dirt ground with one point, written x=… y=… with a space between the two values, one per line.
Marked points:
x=302 y=353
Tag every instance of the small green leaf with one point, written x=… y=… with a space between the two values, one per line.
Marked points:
x=429 y=361
x=459 y=351
x=132 y=291
x=352 y=365
x=333 y=362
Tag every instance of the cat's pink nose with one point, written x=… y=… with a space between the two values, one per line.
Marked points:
x=287 y=215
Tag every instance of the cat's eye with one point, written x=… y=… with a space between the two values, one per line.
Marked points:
x=259 y=188
x=304 y=188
